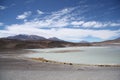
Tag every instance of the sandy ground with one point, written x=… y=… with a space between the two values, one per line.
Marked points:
x=13 y=67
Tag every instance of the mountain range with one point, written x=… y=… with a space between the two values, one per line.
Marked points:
x=32 y=37
x=114 y=42
x=33 y=41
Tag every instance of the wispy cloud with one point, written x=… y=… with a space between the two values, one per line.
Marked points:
x=64 y=18
x=68 y=34
x=24 y=15
x=94 y=24
x=2 y=7
x=55 y=19
x=1 y=24
x=40 y=12
x=62 y=24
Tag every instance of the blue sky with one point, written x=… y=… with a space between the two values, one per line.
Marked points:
x=70 y=20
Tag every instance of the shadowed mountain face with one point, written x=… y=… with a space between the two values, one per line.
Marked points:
x=26 y=37
x=83 y=41
x=33 y=41
x=20 y=44
x=32 y=37
x=55 y=39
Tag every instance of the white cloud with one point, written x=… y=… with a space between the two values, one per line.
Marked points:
x=115 y=24
x=24 y=15
x=40 y=12
x=63 y=18
x=94 y=24
x=55 y=19
x=2 y=7
x=68 y=34
x=1 y=24
x=64 y=13
x=76 y=23
x=74 y=34
x=56 y=22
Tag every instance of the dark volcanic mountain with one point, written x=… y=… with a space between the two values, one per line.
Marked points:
x=33 y=41
x=26 y=44
x=83 y=41
x=26 y=37
x=54 y=39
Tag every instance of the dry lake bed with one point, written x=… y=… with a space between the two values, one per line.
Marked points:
x=87 y=63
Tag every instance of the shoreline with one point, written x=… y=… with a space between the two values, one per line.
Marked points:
x=15 y=67
x=51 y=61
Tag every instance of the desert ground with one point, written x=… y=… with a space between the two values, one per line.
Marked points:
x=15 y=67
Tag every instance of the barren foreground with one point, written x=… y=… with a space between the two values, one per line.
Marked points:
x=14 y=67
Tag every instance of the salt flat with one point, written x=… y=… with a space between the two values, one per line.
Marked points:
x=15 y=67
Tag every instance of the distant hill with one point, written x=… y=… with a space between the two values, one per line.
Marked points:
x=118 y=38
x=33 y=41
x=83 y=41
x=54 y=39
x=32 y=37
x=114 y=42
x=20 y=44
x=26 y=37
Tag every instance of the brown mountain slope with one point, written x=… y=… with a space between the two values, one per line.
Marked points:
x=20 y=44
x=115 y=42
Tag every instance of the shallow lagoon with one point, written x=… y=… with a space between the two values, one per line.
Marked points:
x=80 y=55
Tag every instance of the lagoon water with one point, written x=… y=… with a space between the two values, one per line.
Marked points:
x=80 y=55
